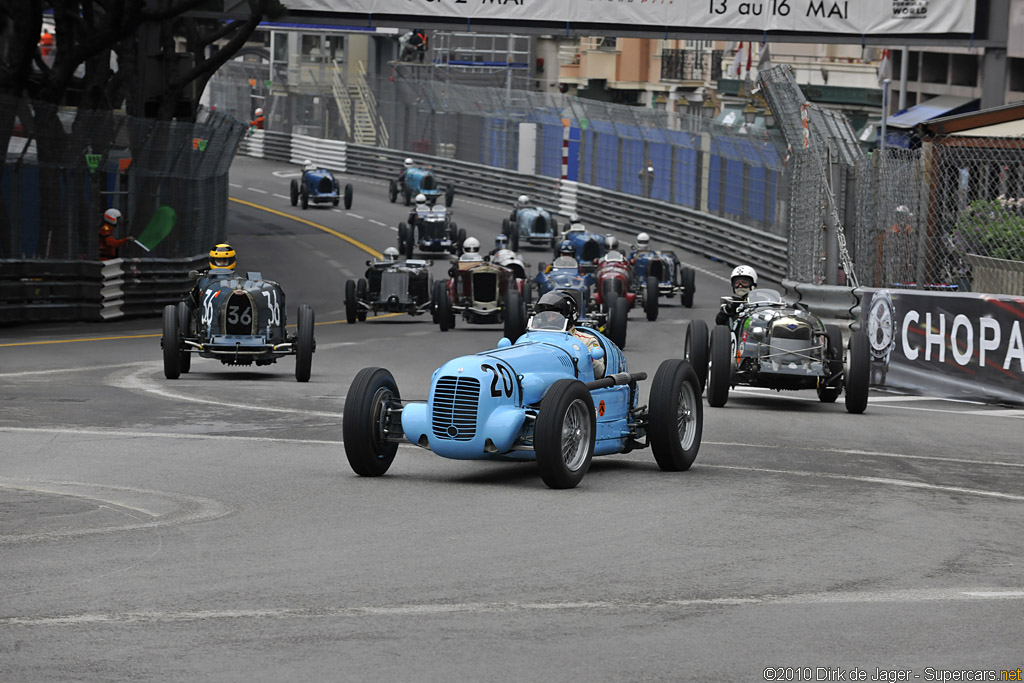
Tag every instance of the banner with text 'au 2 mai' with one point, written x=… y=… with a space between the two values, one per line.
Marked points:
x=817 y=16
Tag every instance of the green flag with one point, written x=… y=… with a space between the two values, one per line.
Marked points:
x=159 y=227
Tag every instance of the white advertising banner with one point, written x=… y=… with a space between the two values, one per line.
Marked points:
x=861 y=17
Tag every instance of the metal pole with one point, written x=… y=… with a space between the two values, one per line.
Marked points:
x=904 y=62
x=831 y=228
x=885 y=113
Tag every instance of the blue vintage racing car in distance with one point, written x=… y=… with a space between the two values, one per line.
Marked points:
x=318 y=185
x=416 y=180
x=557 y=396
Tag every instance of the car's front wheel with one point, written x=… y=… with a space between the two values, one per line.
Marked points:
x=695 y=349
x=362 y=294
x=676 y=415
x=515 y=315
x=304 y=344
x=393 y=191
x=171 y=343
x=184 y=330
x=564 y=434
x=651 y=298
x=689 y=278
x=348 y=195
x=445 y=316
x=304 y=198
x=720 y=373
x=858 y=375
x=351 y=305
x=833 y=356
x=618 y=319
x=294 y=192
x=364 y=422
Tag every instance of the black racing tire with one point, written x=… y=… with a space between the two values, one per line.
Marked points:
x=449 y=196
x=515 y=315
x=335 y=201
x=676 y=417
x=607 y=291
x=695 y=349
x=407 y=197
x=351 y=305
x=506 y=227
x=513 y=240
x=828 y=393
x=618 y=320
x=720 y=372
x=393 y=191
x=171 y=343
x=858 y=375
x=651 y=298
x=362 y=425
x=403 y=234
x=445 y=316
x=304 y=198
x=566 y=422
x=348 y=195
x=362 y=295
x=689 y=277
x=304 y=344
x=527 y=294
x=435 y=297
x=460 y=240
x=294 y=190
x=185 y=330
x=410 y=243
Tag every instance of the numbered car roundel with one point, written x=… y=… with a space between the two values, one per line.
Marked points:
x=239 y=314
x=600 y=408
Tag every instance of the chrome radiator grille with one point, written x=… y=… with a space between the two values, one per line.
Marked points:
x=394 y=284
x=454 y=408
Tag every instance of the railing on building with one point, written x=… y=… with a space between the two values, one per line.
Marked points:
x=694 y=65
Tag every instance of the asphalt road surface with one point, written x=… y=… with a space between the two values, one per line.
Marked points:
x=210 y=528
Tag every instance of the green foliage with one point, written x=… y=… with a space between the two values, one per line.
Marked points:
x=991 y=228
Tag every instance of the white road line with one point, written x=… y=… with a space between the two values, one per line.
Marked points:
x=281 y=196
x=234 y=184
x=354 y=215
x=507 y=607
x=256 y=189
x=108 y=433
x=376 y=222
x=135 y=382
x=876 y=454
x=395 y=228
x=894 y=404
x=56 y=371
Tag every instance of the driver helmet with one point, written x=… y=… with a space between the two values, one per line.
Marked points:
x=565 y=248
x=421 y=199
x=222 y=256
x=743 y=279
x=611 y=242
x=259 y=111
x=574 y=218
x=308 y=165
x=560 y=302
x=111 y=218
x=471 y=245
x=522 y=201
x=501 y=242
x=408 y=162
x=390 y=254
x=643 y=240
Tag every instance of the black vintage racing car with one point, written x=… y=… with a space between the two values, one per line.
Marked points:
x=390 y=287
x=776 y=345
x=238 y=320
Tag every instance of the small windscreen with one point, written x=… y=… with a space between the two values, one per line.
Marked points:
x=769 y=295
x=549 y=320
x=565 y=262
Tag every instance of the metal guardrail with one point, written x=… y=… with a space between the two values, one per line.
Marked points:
x=48 y=290
x=139 y=287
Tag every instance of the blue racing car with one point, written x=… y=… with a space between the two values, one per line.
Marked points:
x=558 y=396
x=531 y=225
x=415 y=180
x=318 y=185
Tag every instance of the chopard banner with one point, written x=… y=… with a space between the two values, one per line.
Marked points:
x=968 y=346
x=816 y=16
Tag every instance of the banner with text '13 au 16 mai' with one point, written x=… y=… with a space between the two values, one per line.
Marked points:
x=861 y=17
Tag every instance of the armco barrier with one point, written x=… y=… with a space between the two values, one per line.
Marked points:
x=143 y=286
x=716 y=238
x=48 y=290
x=826 y=301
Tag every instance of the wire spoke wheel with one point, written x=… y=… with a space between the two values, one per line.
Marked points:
x=575 y=435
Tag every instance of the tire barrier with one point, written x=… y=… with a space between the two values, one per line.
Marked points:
x=141 y=287
x=955 y=345
x=716 y=238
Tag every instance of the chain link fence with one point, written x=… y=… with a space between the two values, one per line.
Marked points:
x=65 y=167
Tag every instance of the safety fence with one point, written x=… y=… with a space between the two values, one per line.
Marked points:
x=60 y=289
x=601 y=209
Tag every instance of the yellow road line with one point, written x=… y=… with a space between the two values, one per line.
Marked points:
x=351 y=240
x=150 y=336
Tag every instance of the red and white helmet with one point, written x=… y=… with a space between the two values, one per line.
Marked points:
x=259 y=111
x=112 y=217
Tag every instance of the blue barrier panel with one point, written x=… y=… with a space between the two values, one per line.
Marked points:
x=496 y=143
x=659 y=153
x=550 y=145
x=589 y=154
x=573 y=170
x=687 y=171
x=734 y=169
x=606 y=148
x=756 y=181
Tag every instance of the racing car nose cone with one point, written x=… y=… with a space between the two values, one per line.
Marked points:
x=453 y=431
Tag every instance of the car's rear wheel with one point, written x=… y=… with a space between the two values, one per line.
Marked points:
x=689 y=277
x=410 y=242
x=171 y=343
x=449 y=196
x=364 y=421
x=362 y=295
x=513 y=240
x=294 y=192
x=833 y=356
x=304 y=344
x=651 y=298
x=618 y=319
x=676 y=415
x=564 y=434
x=351 y=306
x=506 y=227
x=460 y=240
x=720 y=372
x=185 y=331
x=304 y=197
x=515 y=315
x=393 y=190
x=435 y=297
x=403 y=234
x=445 y=317
x=348 y=195
x=695 y=349
x=858 y=375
